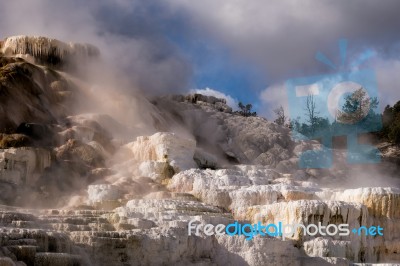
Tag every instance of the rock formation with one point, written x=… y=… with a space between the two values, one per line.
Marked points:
x=79 y=188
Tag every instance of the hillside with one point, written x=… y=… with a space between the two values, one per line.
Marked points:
x=105 y=178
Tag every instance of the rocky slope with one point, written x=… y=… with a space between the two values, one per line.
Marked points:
x=84 y=188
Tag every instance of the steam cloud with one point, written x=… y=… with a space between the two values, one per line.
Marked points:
x=131 y=44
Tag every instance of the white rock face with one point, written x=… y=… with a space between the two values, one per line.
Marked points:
x=164 y=147
x=322 y=247
x=244 y=139
x=140 y=166
x=381 y=202
x=174 y=215
x=171 y=212
x=102 y=192
x=155 y=218
x=155 y=170
x=256 y=194
x=241 y=186
x=156 y=222
x=23 y=165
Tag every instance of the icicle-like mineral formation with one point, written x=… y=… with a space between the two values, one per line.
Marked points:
x=47 y=50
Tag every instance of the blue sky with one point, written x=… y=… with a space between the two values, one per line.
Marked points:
x=213 y=67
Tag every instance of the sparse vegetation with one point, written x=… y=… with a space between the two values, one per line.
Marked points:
x=245 y=110
x=314 y=124
x=312 y=113
x=391 y=123
x=281 y=117
x=353 y=110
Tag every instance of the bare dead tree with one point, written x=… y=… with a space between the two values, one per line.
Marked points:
x=312 y=114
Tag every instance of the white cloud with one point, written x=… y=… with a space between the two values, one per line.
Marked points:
x=283 y=36
x=271 y=98
x=388 y=79
x=211 y=92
